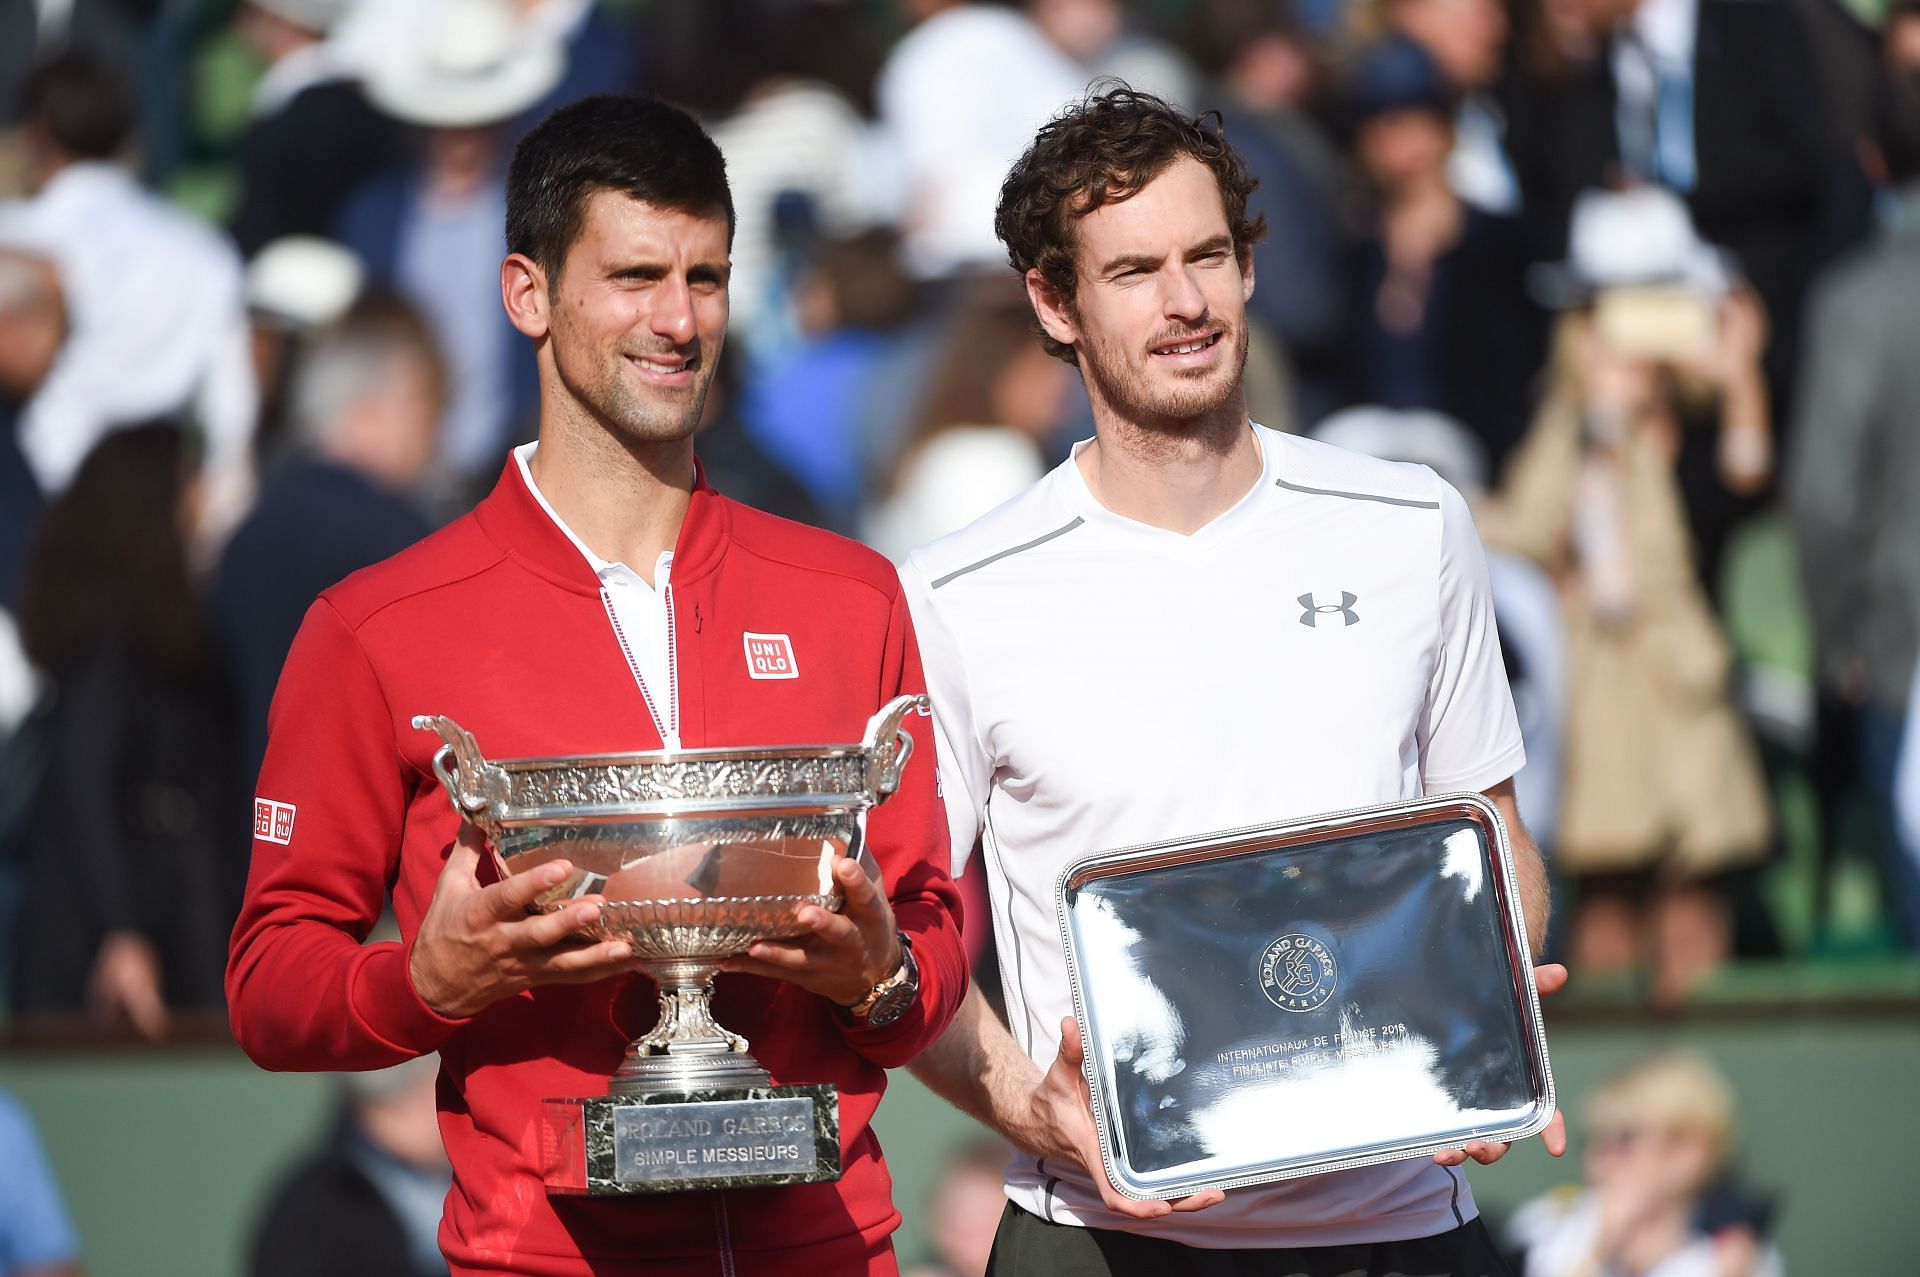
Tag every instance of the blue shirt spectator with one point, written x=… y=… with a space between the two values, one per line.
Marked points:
x=35 y=1232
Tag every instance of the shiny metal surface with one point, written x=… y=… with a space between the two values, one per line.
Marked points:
x=696 y=855
x=1303 y=997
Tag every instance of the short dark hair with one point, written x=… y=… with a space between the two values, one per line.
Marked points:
x=637 y=145
x=82 y=102
x=1106 y=149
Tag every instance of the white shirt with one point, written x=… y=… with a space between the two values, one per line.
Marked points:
x=1099 y=682
x=1560 y=1231
x=157 y=324
x=641 y=615
x=962 y=95
x=1666 y=29
x=1656 y=43
x=50 y=21
x=1906 y=778
x=950 y=480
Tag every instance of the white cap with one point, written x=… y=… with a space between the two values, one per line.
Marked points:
x=303 y=282
x=1640 y=237
x=472 y=62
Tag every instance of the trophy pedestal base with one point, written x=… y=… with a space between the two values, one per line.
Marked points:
x=682 y=1141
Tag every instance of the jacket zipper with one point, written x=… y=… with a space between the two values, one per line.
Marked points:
x=669 y=726
x=726 y=1236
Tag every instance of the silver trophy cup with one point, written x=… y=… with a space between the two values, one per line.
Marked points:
x=697 y=854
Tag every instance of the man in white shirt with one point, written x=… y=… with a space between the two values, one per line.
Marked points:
x=154 y=300
x=1192 y=624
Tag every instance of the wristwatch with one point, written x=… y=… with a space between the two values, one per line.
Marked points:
x=888 y=1001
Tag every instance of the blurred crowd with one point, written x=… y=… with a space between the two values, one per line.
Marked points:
x=1637 y=276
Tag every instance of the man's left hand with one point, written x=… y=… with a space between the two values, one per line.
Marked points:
x=1548 y=978
x=842 y=955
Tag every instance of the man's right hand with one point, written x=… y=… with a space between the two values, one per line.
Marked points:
x=478 y=945
x=1061 y=1125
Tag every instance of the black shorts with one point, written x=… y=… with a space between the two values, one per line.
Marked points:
x=1028 y=1246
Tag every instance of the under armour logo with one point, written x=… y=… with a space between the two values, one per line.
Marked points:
x=1311 y=616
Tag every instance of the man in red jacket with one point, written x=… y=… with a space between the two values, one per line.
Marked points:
x=602 y=599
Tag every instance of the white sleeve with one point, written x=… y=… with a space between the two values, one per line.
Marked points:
x=965 y=773
x=1906 y=777
x=1469 y=737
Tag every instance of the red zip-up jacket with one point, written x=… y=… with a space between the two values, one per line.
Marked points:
x=498 y=622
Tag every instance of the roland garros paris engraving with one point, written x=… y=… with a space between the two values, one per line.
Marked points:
x=1298 y=973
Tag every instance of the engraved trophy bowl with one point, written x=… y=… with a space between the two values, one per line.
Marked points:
x=697 y=854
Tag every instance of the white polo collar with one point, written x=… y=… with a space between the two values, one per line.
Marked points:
x=605 y=569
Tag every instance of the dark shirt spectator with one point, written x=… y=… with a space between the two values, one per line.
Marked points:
x=368 y=1200
x=313 y=136
x=1856 y=465
x=1442 y=319
x=125 y=849
x=1262 y=79
x=316 y=523
x=362 y=401
x=20 y=505
x=1720 y=106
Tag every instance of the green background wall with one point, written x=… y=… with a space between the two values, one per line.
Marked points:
x=165 y=1154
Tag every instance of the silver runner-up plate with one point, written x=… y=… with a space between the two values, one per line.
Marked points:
x=1305 y=996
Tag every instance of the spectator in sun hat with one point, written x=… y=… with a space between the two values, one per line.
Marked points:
x=460 y=75
x=1661 y=291
x=1656 y=366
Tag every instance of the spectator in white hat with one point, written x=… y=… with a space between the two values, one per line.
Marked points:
x=1657 y=357
x=431 y=232
x=296 y=285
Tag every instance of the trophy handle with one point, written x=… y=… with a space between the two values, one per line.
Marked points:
x=478 y=788
x=888 y=746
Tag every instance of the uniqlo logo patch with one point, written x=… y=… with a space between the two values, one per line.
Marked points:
x=273 y=821
x=770 y=656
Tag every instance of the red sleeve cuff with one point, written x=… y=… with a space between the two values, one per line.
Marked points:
x=943 y=983
x=386 y=1003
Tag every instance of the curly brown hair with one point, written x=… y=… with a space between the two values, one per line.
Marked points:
x=1107 y=148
